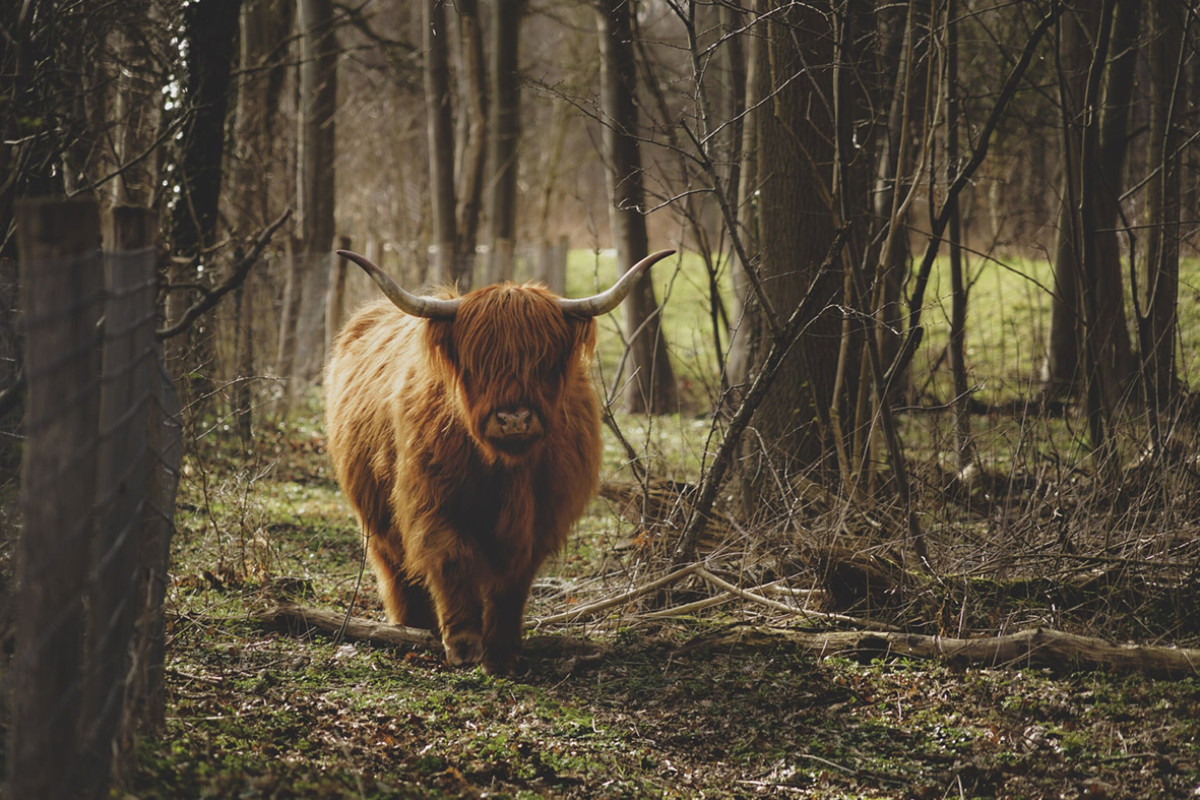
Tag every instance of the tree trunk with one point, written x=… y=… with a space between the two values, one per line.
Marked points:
x=896 y=158
x=1102 y=167
x=314 y=185
x=653 y=387
x=475 y=144
x=262 y=32
x=1159 y=292
x=212 y=34
x=1061 y=372
x=137 y=116
x=1115 y=346
x=506 y=134
x=796 y=229
x=737 y=364
x=440 y=119
x=964 y=451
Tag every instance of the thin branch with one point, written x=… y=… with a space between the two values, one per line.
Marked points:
x=612 y=602
x=236 y=277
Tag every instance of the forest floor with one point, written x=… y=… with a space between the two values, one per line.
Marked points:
x=662 y=712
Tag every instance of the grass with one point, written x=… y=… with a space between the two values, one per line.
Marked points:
x=258 y=713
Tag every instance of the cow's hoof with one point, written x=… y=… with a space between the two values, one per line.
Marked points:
x=463 y=649
x=500 y=665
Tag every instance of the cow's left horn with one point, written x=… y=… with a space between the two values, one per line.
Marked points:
x=428 y=307
x=602 y=303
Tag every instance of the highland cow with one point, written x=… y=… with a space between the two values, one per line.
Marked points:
x=465 y=431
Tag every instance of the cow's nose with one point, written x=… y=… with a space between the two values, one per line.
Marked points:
x=514 y=422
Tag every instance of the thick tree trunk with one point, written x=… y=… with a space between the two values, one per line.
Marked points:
x=212 y=35
x=1098 y=282
x=653 y=387
x=796 y=228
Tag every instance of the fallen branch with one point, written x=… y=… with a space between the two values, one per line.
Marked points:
x=296 y=619
x=750 y=596
x=612 y=602
x=1035 y=647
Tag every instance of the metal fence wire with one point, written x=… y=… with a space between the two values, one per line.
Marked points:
x=99 y=470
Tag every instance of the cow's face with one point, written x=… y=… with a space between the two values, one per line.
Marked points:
x=509 y=351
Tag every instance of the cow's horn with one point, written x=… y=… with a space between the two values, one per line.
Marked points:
x=429 y=307
x=602 y=303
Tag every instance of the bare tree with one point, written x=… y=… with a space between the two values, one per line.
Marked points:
x=440 y=123
x=1093 y=140
x=314 y=187
x=505 y=136
x=653 y=390
x=474 y=143
x=1157 y=308
x=797 y=226
x=211 y=31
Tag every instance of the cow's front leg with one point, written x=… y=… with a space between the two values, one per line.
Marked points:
x=459 y=611
x=503 y=619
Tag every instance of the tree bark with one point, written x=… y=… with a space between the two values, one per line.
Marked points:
x=1061 y=373
x=440 y=118
x=964 y=450
x=314 y=185
x=265 y=24
x=475 y=143
x=212 y=34
x=737 y=364
x=1157 y=317
x=796 y=228
x=1098 y=279
x=653 y=387
x=505 y=137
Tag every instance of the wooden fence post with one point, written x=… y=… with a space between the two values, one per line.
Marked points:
x=129 y=353
x=58 y=242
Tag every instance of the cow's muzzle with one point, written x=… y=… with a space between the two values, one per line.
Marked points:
x=514 y=430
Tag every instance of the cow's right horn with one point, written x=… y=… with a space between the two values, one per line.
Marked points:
x=428 y=307
x=602 y=303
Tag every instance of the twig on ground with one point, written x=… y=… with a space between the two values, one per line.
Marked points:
x=794 y=610
x=611 y=602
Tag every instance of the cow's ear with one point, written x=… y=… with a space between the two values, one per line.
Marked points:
x=583 y=332
x=439 y=334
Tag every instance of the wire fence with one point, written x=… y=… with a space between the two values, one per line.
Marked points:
x=99 y=469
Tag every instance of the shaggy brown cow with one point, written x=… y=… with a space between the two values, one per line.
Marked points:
x=466 y=433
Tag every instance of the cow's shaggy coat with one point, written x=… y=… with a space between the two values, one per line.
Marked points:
x=468 y=447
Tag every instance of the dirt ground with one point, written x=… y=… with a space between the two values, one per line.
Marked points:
x=260 y=714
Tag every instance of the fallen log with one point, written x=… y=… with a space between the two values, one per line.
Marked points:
x=1034 y=647
x=298 y=620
